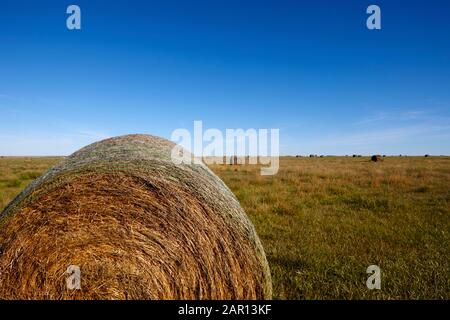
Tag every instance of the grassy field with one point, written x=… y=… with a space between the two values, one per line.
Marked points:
x=17 y=172
x=323 y=221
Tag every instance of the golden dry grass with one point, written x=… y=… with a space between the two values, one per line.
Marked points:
x=17 y=172
x=323 y=221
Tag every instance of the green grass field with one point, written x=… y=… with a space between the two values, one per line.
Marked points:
x=323 y=221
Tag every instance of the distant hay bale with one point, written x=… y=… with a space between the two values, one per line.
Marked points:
x=235 y=160
x=376 y=158
x=137 y=225
x=427 y=155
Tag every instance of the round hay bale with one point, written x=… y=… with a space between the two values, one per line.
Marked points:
x=137 y=225
x=376 y=158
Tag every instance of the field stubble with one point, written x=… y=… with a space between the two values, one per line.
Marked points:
x=323 y=221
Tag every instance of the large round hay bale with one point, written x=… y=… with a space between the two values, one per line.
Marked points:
x=137 y=225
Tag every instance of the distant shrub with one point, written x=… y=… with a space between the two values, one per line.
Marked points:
x=30 y=175
x=13 y=183
x=421 y=189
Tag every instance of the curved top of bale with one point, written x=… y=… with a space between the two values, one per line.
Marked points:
x=182 y=233
x=136 y=153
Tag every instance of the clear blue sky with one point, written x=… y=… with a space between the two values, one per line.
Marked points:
x=310 y=68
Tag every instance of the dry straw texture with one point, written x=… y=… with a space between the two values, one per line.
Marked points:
x=139 y=227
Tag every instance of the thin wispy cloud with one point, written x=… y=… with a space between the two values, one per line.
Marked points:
x=6 y=96
x=380 y=117
x=428 y=116
x=413 y=114
x=48 y=144
x=90 y=134
x=424 y=137
x=387 y=135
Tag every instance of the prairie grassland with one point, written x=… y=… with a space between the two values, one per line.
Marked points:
x=323 y=221
x=17 y=172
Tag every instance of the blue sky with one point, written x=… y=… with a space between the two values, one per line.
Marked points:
x=310 y=68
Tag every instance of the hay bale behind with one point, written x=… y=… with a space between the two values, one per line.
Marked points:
x=376 y=158
x=137 y=225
